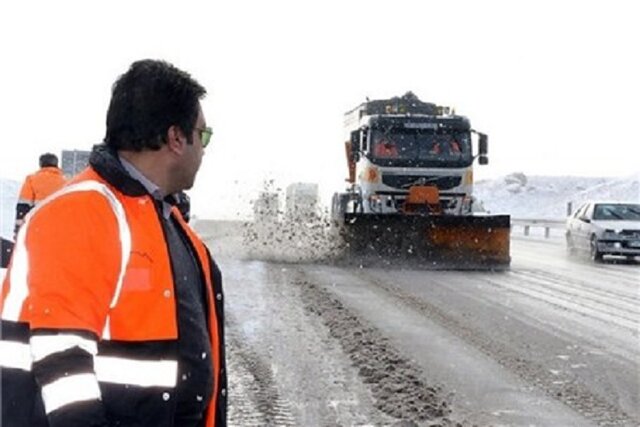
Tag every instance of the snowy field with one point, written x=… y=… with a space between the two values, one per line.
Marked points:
x=547 y=197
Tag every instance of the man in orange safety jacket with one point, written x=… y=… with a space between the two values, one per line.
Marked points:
x=38 y=186
x=112 y=307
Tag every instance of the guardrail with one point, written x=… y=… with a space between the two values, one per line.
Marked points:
x=547 y=224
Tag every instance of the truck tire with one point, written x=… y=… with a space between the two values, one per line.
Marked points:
x=339 y=207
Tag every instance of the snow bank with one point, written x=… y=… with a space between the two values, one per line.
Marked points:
x=547 y=196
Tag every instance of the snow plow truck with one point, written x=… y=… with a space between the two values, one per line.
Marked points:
x=409 y=187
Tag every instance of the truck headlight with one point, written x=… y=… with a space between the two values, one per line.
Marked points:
x=371 y=174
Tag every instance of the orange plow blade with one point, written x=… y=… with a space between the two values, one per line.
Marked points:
x=457 y=242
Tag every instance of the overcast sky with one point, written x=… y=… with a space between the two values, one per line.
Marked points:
x=553 y=83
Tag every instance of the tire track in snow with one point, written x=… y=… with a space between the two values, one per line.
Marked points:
x=254 y=399
x=566 y=389
x=610 y=307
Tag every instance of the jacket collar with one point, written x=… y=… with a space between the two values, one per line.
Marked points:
x=105 y=162
x=51 y=169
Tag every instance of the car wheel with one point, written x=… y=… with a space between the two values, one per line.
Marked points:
x=596 y=255
x=571 y=249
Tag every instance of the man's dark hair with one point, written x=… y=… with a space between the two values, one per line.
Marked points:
x=146 y=101
x=48 y=159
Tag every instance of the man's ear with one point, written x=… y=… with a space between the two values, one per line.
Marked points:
x=176 y=140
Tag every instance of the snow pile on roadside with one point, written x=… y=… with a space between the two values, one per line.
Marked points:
x=524 y=196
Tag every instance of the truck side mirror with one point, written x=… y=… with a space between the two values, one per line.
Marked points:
x=483 y=144
x=483 y=149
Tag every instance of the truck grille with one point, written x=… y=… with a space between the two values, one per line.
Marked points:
x=406 y=181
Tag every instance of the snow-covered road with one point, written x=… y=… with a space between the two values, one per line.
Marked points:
x=553 y=341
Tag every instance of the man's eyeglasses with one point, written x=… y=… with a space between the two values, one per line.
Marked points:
x=205 y=135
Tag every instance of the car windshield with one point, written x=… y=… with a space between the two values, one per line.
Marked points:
x=613 y=212
x=420 y=145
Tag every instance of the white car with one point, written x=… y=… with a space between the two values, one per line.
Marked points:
x=605 y=228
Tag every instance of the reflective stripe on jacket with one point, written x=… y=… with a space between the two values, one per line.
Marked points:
x=95 y=325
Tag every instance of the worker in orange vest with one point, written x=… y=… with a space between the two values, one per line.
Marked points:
x=38 y=186
x=112 y=306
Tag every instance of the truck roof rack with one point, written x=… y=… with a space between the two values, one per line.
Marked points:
x=408 y=103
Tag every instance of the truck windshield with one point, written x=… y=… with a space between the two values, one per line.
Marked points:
x=407 y=147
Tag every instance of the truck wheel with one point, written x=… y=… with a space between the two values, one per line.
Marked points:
x=596 y=255
x=339 y=207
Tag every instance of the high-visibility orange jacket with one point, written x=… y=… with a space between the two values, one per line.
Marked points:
x=37 y=187
x=88 y=310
